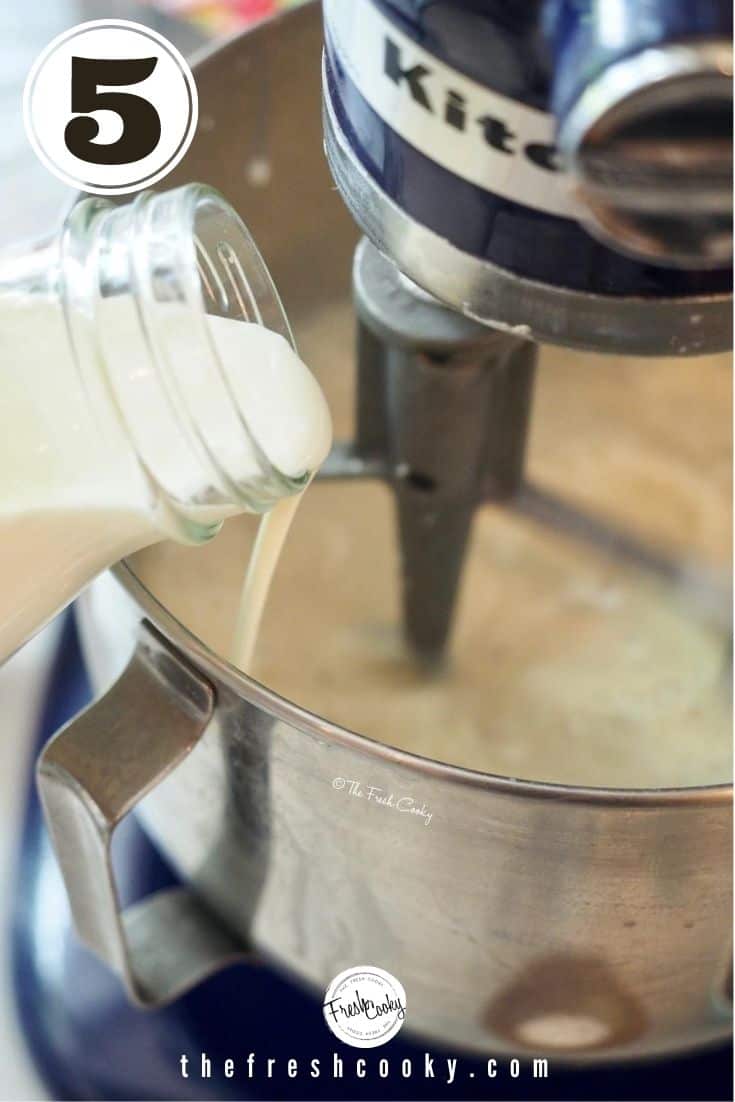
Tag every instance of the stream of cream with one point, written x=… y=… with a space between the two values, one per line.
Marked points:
x=289 y=418
x=272 y=532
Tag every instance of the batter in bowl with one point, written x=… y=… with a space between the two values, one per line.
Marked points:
x=567 y=665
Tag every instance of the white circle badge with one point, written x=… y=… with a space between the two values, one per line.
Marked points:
x=110 y=107
x=365 y=1006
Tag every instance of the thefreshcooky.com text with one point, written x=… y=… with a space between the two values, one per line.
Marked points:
x=444 y=1069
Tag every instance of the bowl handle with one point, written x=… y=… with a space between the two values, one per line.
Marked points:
x=91 y=775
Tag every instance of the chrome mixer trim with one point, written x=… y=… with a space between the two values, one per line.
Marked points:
x=491 y=295
x=619 y=201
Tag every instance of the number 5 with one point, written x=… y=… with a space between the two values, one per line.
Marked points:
x=141 y=122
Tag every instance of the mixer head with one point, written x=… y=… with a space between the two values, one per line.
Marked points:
x=557 y=173
x=443 y=123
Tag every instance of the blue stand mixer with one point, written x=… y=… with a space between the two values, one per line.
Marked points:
x=554 y=171
x=448 y=130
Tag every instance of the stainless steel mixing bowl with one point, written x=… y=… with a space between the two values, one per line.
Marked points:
x=585 y=923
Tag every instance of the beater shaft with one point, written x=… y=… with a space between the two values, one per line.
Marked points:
x=442 y=409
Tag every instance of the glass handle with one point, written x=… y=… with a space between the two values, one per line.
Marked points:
x=91 y=775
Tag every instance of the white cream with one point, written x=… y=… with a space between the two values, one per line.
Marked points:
x=272 y=532
x=73 y=495
x=285 y=408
